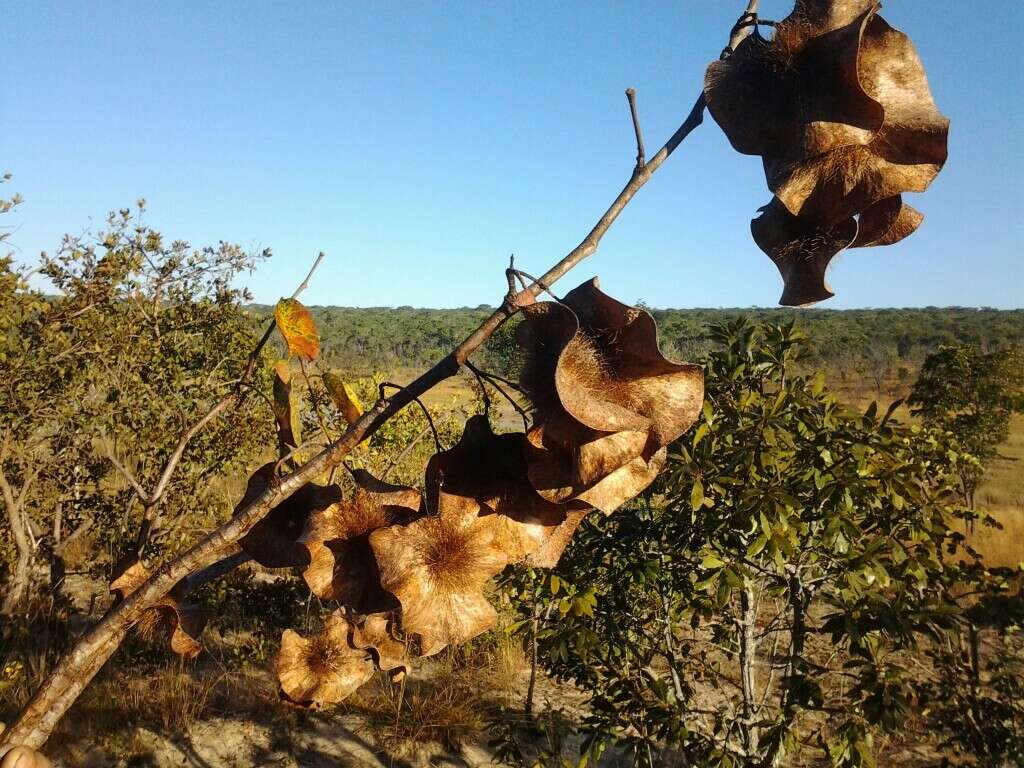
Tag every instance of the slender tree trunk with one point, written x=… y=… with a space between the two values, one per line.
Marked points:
x=973 y=644
x=798 y=601
x=748 y=673
x=21 y=575
x=533 y=660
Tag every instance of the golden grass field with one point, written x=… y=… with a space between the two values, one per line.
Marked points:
x=1002 y=495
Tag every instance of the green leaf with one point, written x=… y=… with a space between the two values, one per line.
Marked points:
x=697 y=495
x=702 y=430
x=759 y=543
x=711 y=562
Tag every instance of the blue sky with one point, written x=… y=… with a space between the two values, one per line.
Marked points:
x=418 y=144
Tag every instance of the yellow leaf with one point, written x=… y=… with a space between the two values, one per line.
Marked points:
x=344 y=396
x=296 y=325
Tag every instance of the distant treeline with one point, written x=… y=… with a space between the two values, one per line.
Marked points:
x=383 y=338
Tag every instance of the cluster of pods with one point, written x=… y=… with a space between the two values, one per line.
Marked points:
x=407 y=567
x=838 y=106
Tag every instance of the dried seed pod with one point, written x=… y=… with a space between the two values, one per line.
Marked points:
x=550 y=551
x=24 y=757
x=486 y=474
x=838 y=105
x=273 y=541
x=391 y=655
x=607 y=400
x=341 y=563
x=184 y=621
x=437 y=567
x=324 y=668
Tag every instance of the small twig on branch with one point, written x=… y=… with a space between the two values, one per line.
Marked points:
x=213 y=572
x=510 y=275
x=127 y=475
x=536 y=282
x=309 y=276
x=631 y=98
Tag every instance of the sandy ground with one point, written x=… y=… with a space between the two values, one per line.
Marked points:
x=234 y=744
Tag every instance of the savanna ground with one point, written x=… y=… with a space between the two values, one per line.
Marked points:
x=150 y=709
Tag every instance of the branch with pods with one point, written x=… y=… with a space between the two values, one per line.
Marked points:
x=797 y=244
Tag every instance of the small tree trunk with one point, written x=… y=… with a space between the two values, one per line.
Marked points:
x=531 y=687
x=972 y=639
x=748 y=674
x=17 y=587
x=21 y=576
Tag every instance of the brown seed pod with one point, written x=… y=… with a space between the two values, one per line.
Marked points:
x=376 y=635
x=341 y=563
x=184 y=621
x=273 y=541
x=324 y=668
x=838 y=105
x=437 y=567
x=24 y=757
x=607 y=400
x=487 y=475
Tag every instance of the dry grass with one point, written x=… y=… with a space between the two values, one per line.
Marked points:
x=1002 y=496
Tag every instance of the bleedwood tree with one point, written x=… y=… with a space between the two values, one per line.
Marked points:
x=789 y=506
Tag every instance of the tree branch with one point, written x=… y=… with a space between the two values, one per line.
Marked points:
x=79 y=665
x=631 y=98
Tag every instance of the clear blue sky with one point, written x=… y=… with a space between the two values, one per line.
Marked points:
x=419 y=144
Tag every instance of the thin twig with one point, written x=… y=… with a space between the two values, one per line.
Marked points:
x=492 y=379
x=483 y=387
x=537 y=282
x=631 y=98
x=135 y=484
x=316 y=404
x=397 y=458
x=309 y=276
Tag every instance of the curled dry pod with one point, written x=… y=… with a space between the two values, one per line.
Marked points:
x=838 y=106
x=273 y=541
x=324 y=668
x=184 y=621
x=376 y=635
x=437 y=567
x=608 y=401
x=341 y=564
x=24 y=757
x=487 y=475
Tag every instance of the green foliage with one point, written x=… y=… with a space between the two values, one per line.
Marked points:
x=142 y=338
x=865 y=342
x=764 y=603
x=972 y=394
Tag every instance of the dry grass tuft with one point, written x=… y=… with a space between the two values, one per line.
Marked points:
x=447 y=710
